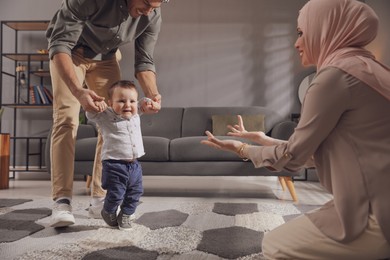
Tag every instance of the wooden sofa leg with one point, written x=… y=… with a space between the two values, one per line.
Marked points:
x=89 y=180
x=291 y=188
x=282 y=182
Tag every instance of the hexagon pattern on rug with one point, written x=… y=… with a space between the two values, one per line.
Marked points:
x=161 y=219
x=17 y=224
x=126 y=252
x=232 y=209
x=171 y=240
x=215 y=231
x=231 y=242
x=259 y=221
x=208 y=220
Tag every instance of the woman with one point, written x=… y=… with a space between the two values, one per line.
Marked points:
x=344 y=127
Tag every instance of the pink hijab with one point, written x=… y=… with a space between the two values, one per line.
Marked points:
x=335 y=33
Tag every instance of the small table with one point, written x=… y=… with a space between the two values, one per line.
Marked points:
x=4 y=161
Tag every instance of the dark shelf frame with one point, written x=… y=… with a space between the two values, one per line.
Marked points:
x=27 y=58
x=39 y=153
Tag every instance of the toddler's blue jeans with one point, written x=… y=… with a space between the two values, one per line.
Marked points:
x=123 y=182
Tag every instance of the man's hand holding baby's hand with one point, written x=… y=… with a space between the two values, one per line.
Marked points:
x=101 y=105
x=149 y=106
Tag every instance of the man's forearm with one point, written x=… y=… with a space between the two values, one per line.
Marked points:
x=64 y=65
x=147 y=80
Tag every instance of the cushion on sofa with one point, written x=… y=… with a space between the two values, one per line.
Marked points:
x=86 y=130
x=166 y=123
x=251 y=123
x=201 y=168
x=189 y=149
x=196 y=120
x=85 y=149
x=83 y=167
x=156 y=149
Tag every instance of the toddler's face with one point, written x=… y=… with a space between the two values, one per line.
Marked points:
x=124 y=102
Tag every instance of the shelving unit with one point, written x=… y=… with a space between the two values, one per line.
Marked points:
x=35 y=69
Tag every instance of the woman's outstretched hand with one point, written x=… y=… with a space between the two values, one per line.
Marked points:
x=226 y=145
x=239 y=128
x=240 y=131
x=255 y=136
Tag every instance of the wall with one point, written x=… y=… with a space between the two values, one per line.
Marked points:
x=381 y=46
x=210 y=53
x=229 y=53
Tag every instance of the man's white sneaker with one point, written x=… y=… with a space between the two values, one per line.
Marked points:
x=61 y=215
x=94 y=211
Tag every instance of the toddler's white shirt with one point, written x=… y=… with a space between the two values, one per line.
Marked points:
x=122 y=138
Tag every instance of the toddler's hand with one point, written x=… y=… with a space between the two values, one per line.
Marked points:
x=145 y=104
x=150 y=106
x=101 y=105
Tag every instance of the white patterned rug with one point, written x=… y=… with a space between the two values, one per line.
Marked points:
x=165 y=228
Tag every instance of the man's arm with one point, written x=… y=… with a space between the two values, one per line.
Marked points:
x=67 y=25
x=64 y=65
x=145 y=70
x=147 y=80
x=72 y=16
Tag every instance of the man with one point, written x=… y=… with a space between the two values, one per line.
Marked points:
x=84 y=37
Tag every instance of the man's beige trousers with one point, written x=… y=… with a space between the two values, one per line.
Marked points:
x=97 y=76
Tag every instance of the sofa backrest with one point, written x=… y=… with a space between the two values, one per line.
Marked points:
x=196 y=120
x=166 y=123
x=87 y=130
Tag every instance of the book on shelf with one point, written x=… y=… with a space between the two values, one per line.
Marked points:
x=31 y=95
x=48 y=94
x=38 y=100
x=40 y=95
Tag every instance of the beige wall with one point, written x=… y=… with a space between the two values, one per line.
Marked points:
x=210 y=53
x=381 y=46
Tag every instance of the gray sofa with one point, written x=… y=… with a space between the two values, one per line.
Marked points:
x=172 y=144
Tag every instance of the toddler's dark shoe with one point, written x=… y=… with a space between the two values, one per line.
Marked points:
x=110 y=218
x=124 y=221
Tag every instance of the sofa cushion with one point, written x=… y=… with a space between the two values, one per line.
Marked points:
x=156 y=149
x=83 y=167
x=196 y=120
x=166 y=123
x=189 y=149
x=86 y=130
x=85 y=149
x=251 y=123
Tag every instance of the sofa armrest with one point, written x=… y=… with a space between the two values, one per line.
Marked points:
x=283 y=130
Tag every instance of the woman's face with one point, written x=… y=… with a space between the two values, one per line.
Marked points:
x=300 y=46
x=142 y=7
